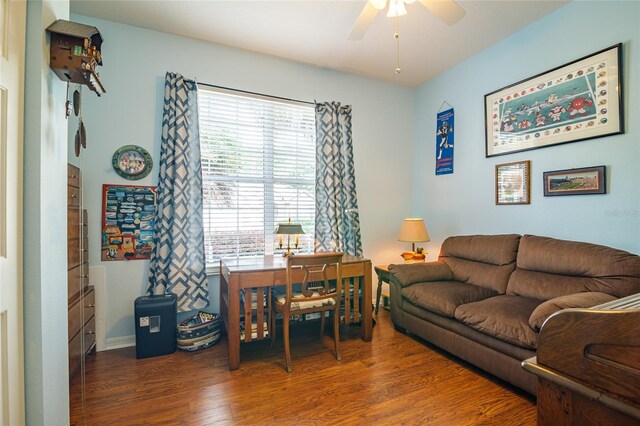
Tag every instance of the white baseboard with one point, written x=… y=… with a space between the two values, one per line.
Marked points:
x=120 y=342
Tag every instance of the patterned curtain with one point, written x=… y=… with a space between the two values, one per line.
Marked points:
x=178 y=262
x=337 y=219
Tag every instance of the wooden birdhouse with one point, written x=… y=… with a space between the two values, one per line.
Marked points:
x=75 y=53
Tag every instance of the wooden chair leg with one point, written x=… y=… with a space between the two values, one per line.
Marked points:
x=285 y=333
x=273 y=328
x=322 y=323
x=336 y=332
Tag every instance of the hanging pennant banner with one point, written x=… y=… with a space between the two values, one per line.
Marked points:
x=444 y=142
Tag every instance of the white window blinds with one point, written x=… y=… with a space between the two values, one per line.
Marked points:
x=258 y=170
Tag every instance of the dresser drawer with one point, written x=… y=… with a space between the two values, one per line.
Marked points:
x=75 y=318
x=84 y=275
x=84 y=252
x=81 y=310
x=73 y=222
x=89 y=335
x=89 y=303
x=74 y=283
x=75 y=354
x=73 y=253
x=73 y=196
x=73 y=176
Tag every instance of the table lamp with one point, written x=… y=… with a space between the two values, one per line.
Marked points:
x=288 y=229
x=413 y=230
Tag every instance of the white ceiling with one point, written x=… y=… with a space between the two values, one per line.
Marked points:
x=315 y=32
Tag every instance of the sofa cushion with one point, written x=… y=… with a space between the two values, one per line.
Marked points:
x=504 y=317
x=492 y=249
x=455 y=326
x=549 y=268
x=578 y=300
x=411 y=273
x=443 y=297
x=482 y=260
x=480 y=274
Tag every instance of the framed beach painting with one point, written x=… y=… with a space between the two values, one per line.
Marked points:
x=587 y=180
x=577 y=101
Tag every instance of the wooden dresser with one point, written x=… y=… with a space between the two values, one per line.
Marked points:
x=81 y=296
x=588 y=366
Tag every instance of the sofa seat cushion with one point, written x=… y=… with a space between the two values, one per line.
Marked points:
x=443 y=297
x=503 y=317
x=577 y=300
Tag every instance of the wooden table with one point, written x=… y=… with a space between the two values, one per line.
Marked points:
x=260 y=274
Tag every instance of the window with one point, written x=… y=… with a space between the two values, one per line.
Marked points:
x=258 y=170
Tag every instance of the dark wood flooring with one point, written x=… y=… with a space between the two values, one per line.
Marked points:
x=395 y=379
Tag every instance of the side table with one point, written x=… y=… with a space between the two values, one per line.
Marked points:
x=384 y=276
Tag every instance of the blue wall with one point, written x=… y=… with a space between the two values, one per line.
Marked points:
x=135 y=61
x=464 y=203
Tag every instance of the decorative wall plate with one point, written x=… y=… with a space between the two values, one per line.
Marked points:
x=132 y=162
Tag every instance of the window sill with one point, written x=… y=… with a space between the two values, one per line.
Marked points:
x=212 y=271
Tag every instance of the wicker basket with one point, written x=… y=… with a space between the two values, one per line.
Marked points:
x=199 y=331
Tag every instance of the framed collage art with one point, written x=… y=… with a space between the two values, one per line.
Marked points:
x=577 y=101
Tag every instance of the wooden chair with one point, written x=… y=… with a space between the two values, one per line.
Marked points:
x=319 y=293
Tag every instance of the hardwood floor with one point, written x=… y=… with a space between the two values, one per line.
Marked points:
x=395 y=379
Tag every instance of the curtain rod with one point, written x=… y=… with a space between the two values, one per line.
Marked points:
x=252 y=93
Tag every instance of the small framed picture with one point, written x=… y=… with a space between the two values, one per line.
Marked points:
x=132 y=162
x=513 y=183
x=583 y=181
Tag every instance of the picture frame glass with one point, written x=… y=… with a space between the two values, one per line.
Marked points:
x=582 y=181
x=577 y=101
x=132 y=162
x=513 y=183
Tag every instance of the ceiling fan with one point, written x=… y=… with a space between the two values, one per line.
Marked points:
x=447 y=10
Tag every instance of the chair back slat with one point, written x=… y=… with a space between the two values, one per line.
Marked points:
x=317 y=269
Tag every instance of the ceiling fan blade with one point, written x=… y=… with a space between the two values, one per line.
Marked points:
x=447 y=10
x=361 y=26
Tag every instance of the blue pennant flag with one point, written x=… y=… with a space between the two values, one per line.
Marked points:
x=444 y=142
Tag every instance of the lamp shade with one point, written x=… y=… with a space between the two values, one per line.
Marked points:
x=289 y=229
x=414 y=230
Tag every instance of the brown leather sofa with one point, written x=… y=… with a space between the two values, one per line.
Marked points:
x=487 y=296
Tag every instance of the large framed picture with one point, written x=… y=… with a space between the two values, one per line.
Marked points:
x=587 y=180
x=513 y=183
x=577 y=101
x=128 y=221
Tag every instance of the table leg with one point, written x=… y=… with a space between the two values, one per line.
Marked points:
x=233 y=334
x=367 y=320
x=378 y=293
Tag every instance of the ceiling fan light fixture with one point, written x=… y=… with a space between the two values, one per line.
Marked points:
x=379 y=4
x=396 y=8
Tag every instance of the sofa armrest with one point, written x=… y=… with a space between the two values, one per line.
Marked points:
x=410 y=273
x=587 y=299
